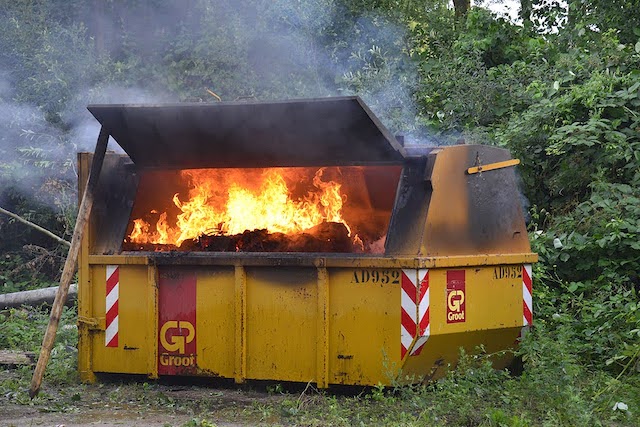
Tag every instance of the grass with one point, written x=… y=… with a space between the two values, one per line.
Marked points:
x=554 y=390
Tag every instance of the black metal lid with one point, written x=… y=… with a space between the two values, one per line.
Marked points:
x=309 y=132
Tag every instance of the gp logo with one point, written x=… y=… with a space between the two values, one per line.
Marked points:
x=174 y=337
x=177 y=341
x=177 y=322
x=456 y=296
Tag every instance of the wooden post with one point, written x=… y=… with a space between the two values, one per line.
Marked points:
x=71 y=262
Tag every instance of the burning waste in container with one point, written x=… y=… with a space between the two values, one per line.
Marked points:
x=295 y=209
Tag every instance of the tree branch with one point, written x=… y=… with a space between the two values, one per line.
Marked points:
x=36 y=226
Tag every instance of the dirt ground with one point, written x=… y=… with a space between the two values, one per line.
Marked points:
x=20 y=416
x=135 y=402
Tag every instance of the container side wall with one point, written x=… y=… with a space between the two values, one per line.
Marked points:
x=281 y=323
x=177 y=320
x=469 y=307
x=121 y=343
x=215 y=321
x=364 y=325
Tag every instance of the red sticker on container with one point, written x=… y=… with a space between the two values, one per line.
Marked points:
x=456 y=296
x=176 y=322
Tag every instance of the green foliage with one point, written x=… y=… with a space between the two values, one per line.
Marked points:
x=195 y=422
x=578 y=132
x=477 y=77
x=579 y=142
x=585 y=19
x=556 y=388
x=23 y=329
x=590 y=283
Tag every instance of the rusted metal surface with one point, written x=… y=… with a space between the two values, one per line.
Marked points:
x=471 y=214
x=406 y=228
x=441 y=210
x=310 y=132
x=307 y=260
x=116 y=191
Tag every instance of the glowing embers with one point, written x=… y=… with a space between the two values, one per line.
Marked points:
x=265 y=210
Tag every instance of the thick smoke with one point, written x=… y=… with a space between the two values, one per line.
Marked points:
x=172 y=51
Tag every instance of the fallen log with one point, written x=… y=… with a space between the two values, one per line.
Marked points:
x=17 y=358
x=36 y=297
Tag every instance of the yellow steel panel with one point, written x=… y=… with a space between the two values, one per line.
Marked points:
x=215 y=317
x=135 y=346
x=442 y=352
x=364 y=325
x=119 y=259
x=461 y=217
x=490 y=303
x=478 y=260
x=447 y=218
x=322 y=344
x=281 y=323
x=493 y=317
x=328 y=325
x=240 y=299
x=152 y=320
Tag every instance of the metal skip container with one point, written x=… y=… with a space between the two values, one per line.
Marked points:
x=295 y=241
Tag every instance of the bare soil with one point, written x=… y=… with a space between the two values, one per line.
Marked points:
x=134 y=402
x=20 y=416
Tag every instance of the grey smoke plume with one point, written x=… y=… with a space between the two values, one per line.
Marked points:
x=170 y=51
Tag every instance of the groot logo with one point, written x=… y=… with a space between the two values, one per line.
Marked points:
x=456 y=296
x=177 y=341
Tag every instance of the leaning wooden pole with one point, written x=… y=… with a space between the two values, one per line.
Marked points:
x=71 y=263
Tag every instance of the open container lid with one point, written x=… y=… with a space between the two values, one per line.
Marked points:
x=309 y=132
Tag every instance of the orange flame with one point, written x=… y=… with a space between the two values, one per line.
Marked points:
x=228 y=202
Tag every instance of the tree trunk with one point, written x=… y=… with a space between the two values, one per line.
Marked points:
x=35 y=297
x=525 y=13
x=461 y=7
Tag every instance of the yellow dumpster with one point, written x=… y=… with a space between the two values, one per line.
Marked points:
x=295 y=241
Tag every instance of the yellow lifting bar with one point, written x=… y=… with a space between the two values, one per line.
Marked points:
x=493 y=166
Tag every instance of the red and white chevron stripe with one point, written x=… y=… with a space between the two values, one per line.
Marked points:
x=408 y=324
x=111 y=317
x=527 y=299
x=424 y=326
